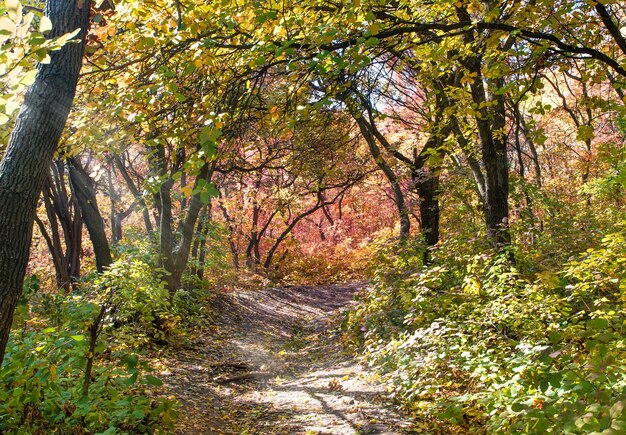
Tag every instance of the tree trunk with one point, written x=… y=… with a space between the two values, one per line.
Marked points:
x=39 y=126
x=231 y=234
x=63 y=219
x=427 y=187
x=136 y=194
x=405 y=223
x=175 y=251
x=491 y=132
x=86 y=196
x=202 y=235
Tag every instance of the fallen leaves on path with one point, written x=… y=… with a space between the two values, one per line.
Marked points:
x=273 y=364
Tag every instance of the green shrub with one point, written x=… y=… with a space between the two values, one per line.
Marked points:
x=478 y=343
x=42 y=375
x=142 y=311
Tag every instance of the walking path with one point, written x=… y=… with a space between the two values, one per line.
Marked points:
x=274 y=364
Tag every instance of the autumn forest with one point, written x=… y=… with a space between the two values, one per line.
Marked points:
x=335 y=217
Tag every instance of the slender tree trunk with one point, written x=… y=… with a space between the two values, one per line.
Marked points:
x=405 y=223
x=136 y=194
x=63 y=218
x=27 y=159
x=86 y=197
x=522 y=170
x=199 y=249
x=231 y=234
x=252 y=260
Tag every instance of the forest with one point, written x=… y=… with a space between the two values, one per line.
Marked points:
x=312 y=217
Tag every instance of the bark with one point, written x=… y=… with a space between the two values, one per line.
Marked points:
x=533 y=150
x=175 y=251
x=490 y=117
x=198 y=252
x=491 y=133
x=522 y=170
x=425 y=180
x=427 y=187
x=86 y=197
x=405 y=223
x=370 y=133
x=252 y=257
x=472 y=161
x=231 y=234
x=425 y=173
x=63 y=234
x=27 y=159
x=136 y=194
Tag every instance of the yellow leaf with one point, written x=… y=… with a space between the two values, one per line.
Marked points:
x=53 y=372
x=14 y=8
x=45 y=25
x=7 y=25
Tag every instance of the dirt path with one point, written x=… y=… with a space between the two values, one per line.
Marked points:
x=275 y=366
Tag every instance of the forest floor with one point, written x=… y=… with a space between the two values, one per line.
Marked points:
x=273 y=364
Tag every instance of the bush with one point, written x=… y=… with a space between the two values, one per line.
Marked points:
x=42 y=375
x=475 y=342
x=141 y=312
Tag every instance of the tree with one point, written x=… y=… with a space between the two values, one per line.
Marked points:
x=27 y=160
x=64 y=231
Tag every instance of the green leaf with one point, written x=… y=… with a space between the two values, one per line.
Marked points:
x=371 y=42
x=131 y=380
x=598 y=324
x=77 y=337
x=151 y=380
x=585 y=132
x=554 y=337
x=130 y=361
x=518 y=407
x=189 y=70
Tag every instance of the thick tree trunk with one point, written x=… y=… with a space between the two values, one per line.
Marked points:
x=175 y=251
x=491 y=132
x=86 y=196
x=26 y=162
x=427 y=187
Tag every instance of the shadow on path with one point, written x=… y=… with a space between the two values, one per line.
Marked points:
x=274 y=365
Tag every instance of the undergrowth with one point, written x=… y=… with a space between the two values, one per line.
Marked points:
x=43 y=375
x=475 y=342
